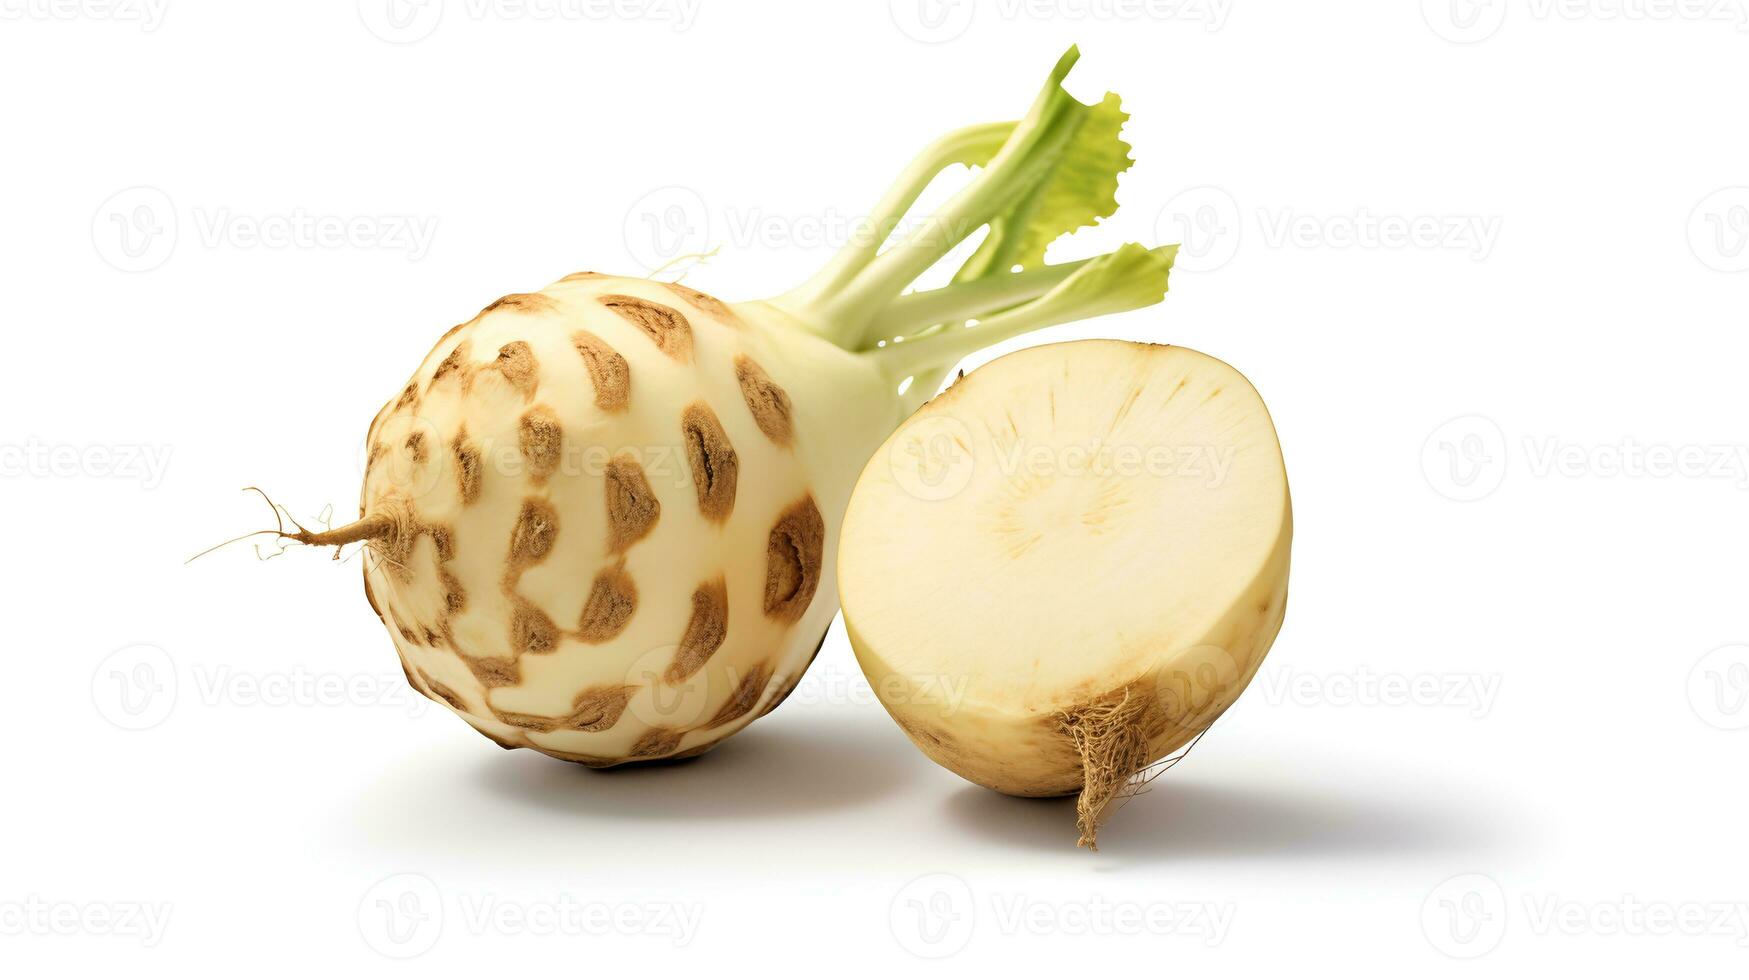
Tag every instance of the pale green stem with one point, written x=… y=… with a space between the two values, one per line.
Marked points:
x=971 y=142
x=961 y=301
x=1024 y=159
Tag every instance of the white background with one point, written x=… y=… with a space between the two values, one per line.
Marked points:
x=1504 y=725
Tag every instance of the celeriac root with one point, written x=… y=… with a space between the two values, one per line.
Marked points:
x=1113 y=747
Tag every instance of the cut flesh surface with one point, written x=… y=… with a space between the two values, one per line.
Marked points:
x=1062 y=524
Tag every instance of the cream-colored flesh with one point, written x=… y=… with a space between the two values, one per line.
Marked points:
x=1067 y=524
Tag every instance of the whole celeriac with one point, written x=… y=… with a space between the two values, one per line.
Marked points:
x=602 y=517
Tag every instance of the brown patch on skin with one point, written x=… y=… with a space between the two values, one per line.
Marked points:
x=632 y=507
x=612 y=600
x=664 y=325
x=458 y=328
x=705 y=631
x=656 y=741
x=444 y=541
x=704 y=301
x=789 y=684
x=598 y=708
x=531 y=630
x=532 y=538
x=408 y=394
x=468 y=470
x=432 y=637
x=746 y=695
x=541 y=440
x=416 y=446
x=594 y=710
x=377 y=450
x=521 y=302
x=792 y=560
x=714 y=464
x=516 y=363
x=769 y=403
x=494 y=671
x=455 y=599
x=608 y=371
x=442 y=693
x=454 y=364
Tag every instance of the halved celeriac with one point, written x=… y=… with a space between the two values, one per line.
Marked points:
x=1069 y=564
